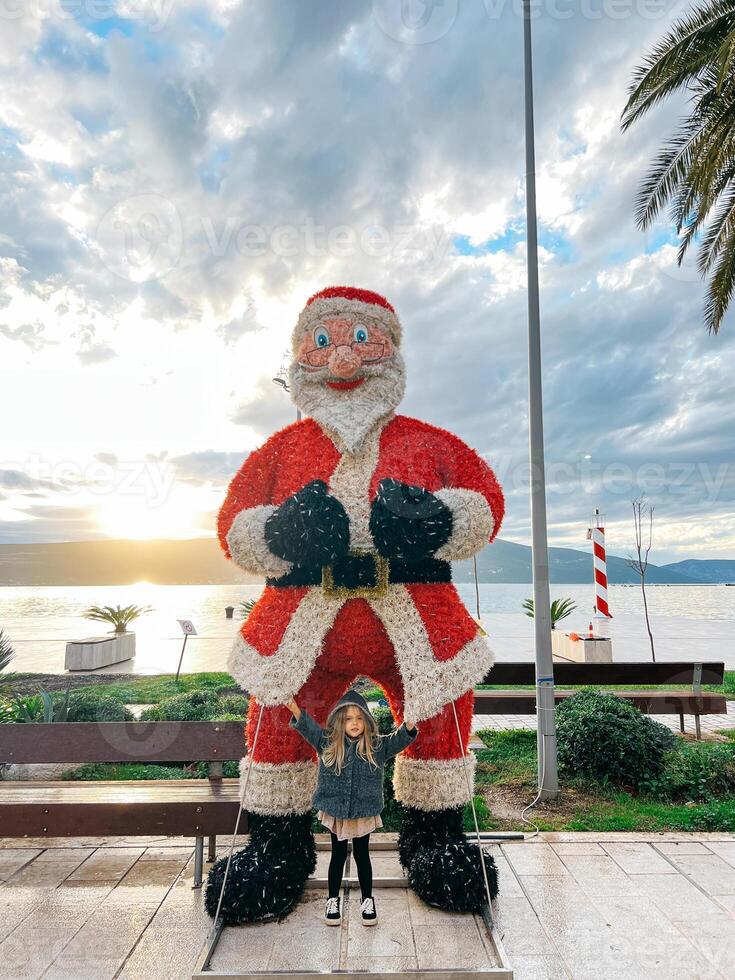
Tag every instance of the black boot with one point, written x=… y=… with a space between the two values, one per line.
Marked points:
x=443 y=867
x=267 y=877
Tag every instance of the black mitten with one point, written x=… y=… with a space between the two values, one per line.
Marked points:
x=408 y=522
x=309 y=528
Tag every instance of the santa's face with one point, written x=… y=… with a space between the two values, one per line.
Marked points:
x=347 y=373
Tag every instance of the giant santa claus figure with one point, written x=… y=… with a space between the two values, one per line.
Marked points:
x=354 y=515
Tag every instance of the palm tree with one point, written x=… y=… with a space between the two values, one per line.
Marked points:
x=6 y=651
x=119 y=617
x=694 y=173
x=560 y=609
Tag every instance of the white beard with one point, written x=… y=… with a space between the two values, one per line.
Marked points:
x=350 y=414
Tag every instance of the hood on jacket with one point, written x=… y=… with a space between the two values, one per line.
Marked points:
x=349 y=697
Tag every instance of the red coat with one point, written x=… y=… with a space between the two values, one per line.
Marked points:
x=439 y=650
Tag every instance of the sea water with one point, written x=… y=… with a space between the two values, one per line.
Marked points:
x=688 y=622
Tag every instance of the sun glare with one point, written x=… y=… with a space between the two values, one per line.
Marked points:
x=137 y=519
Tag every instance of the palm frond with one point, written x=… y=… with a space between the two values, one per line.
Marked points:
x=693 y=173
x=721 y=286
x=695 y=41
x=120 y=617
x=6 y=651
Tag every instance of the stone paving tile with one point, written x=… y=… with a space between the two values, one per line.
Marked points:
x=13 y=858
x=709 y=871
x=725 y=849
x=32 y=947
x=638 y=858
x=585 y=940
x=520 y=930
x=578 y=847
x=676 y=896
x=29 y=888
x=392 y=936
x=305 y=939
x=673 y=848
x=660 y=948
x=579 y=906
x=106 y=864
x=169 y=947
x=456 y=946
x=533 y=858
x=103 y=943
x=538 y=968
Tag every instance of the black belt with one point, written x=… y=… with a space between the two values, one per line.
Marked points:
x=365 y=571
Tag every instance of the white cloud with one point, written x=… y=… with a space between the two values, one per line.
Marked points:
x=148 y=328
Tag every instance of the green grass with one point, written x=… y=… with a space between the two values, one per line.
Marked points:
x=509 y=762
x=137 y=690
x=626 y=813
x=118 y=771
x=509 y=759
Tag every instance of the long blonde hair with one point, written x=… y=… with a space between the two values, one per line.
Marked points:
x=334 y=753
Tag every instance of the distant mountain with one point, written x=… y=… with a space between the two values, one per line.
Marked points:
x=196 y=562
x=200 y=561
x=713 y=571
x=505 y=561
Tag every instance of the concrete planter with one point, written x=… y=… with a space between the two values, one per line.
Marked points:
x=99 y=651
x=583 y=650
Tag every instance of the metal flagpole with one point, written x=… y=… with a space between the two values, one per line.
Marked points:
x=546 y=737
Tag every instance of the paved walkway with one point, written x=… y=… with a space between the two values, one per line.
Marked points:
x=580 y=906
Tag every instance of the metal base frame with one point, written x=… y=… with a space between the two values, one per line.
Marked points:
x=504 y=971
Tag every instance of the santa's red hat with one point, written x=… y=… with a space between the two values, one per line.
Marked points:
x=347 y=301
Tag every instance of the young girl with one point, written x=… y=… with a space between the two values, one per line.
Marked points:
x=349 y=789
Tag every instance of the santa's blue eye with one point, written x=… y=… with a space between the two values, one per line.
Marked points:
x=321 y=337
x=360 y=334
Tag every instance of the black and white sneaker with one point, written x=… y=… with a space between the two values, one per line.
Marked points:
x=333 y=911
x=367 y=910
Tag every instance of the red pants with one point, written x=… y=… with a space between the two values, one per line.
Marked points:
x=356 y=644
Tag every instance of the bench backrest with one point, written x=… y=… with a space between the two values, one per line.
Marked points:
x=123 y=741
x=680 y=672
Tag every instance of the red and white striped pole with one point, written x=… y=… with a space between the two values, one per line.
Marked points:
x=599 y=559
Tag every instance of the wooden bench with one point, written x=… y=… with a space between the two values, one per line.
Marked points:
x=205 y=808
x=694 y=701
x=196 y=808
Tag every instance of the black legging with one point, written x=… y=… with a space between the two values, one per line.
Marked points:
x=361 y=852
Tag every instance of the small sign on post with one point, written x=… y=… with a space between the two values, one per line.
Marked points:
x=188 y=629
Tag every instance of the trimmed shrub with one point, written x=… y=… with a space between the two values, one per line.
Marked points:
x=197 y=706
x=603 y=737
x=696 y=771
x=98 y=709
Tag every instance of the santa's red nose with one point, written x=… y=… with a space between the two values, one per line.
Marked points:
x=344 y=362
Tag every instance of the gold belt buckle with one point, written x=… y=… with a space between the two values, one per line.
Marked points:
x=361 y=591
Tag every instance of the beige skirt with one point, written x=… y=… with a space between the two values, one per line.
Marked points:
x=346 y=829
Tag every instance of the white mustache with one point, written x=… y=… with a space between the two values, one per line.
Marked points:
x=324 y=374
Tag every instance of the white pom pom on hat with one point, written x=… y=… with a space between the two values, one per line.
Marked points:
x=347 y=301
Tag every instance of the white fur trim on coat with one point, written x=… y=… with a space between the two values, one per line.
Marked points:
x=331 y=306
x=278 y=678
x=472 y=523
x=350 y=484
x=278 y=789
x=433 y=784
x=428 y=683
x=246 y=541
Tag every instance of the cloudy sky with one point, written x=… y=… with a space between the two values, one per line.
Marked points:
x=177 y=178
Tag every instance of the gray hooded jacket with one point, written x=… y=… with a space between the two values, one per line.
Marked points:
x=358 y=790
